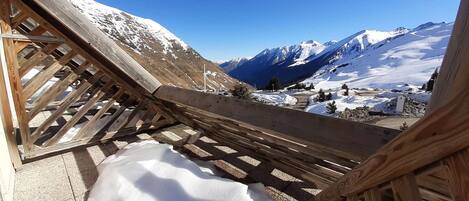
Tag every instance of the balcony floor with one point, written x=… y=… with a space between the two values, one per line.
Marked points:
x=69 y=176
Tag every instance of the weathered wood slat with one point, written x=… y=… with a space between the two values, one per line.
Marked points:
x=11 y=64
x=96 y=96
x=93 y=121
x=405 y=188
x=39 y=56
x=58 y=88
x=7 y=119
x=32 y=38
x=69 y=100
x=454 y=73
x=344 y=138
x=458 y=175
x=42 y=77
x=353 y=197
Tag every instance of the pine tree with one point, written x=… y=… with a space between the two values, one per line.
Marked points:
x=274 y=84
x=329 y=96
x=331 y=107
x=346 y=92
x=321 y=96
x=344 y=86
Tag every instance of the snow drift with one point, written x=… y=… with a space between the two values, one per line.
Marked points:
x=148 y=171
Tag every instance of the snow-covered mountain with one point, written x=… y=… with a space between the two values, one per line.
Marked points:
x=163 y=54
x=368 y=50
x=402 y=59
x=230 y=65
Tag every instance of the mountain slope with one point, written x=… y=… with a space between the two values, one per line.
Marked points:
x=265 y=65
x=409 y=58
x=164 y=55
x=338 y=54
x=230 y=65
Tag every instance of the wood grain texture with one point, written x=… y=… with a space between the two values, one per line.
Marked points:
x=9 y=56
x=458 y=175
x=372 y=195
x=454 y=73
x=405 y=188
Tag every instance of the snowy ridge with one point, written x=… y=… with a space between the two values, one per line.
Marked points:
x=133 y=29
x=368 y=58
x=229 y=65
x=409 y=58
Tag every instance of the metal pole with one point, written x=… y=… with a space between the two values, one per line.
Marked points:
x=205 y=80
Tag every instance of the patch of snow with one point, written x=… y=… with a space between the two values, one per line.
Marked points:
x=274 y=98
x=148 y=171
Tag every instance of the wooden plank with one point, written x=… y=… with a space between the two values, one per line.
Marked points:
x=7 y=121
x=442 y=132
x=39 y=56
x=97 y=95
x=45 y=75
x=65 y=18
x=458 y=175
x=93 y=121
x=348 y=139
x=18 y=19
x=9 y=57
x=405 y=188
x=69 y=100
x=58 y=88
x=454 y=73
x=372 y=195
x=32 y=38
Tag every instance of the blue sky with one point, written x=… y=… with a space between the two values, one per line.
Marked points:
x=224 y=29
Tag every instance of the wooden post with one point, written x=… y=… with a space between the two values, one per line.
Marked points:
x=6 y=117
x=458 y=175
x=8 y=53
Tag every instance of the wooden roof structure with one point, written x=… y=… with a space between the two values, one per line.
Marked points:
x=77 y=68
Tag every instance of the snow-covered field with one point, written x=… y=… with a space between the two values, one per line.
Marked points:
x=148 y=171
x=274 y=98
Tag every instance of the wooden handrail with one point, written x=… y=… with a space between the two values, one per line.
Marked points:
x=348 y=139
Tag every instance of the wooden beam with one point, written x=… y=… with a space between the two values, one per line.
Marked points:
x=405 y=188
x=45 y=75
x=458 y=175
x=58 y=88
x=94 y=120
x=8 y=55
x=32 y=38
x=348 y=139
x=454 y=73
x=69 y=100
x=7 y=119
x=38 y=57
x=96 y=96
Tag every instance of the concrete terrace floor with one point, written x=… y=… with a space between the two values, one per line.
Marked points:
x=69 y=176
